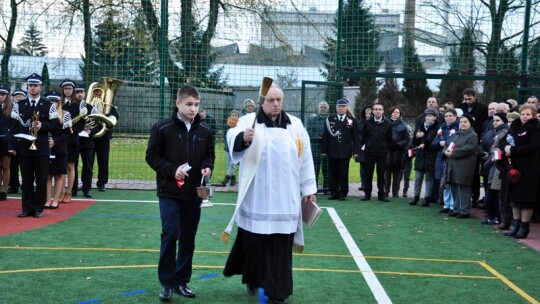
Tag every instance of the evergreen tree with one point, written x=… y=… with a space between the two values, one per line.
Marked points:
x=32 y=43
x=46 y=78
x=415 y=90
x=507 y=65
x=123 y=51
x=330 y=73
x=389 y=94
x=359 y=51
x=461 y=63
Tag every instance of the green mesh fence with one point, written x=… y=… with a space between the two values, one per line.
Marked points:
x=397 y=52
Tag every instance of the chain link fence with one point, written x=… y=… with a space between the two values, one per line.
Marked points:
x=399 y=52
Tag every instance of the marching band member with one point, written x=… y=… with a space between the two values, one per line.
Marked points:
x=86 y=147
x=14 y=183
x=6 y=144
x=36 y=117
x=72 y=103
x=58 y=157
x=101 y=152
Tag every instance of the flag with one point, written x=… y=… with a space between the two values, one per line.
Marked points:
x=410 y=153
x=451 y=147
x=497 y=154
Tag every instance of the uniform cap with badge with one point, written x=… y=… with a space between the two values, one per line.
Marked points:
x=4 y=89
x=34 y=79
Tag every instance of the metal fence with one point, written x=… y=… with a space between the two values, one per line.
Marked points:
x=399 y=52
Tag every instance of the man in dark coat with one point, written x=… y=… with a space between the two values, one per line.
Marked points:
x=339 y=143
x=377 y=136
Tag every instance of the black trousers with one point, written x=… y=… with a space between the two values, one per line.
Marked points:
x=34 y=168
x=179 y=223
x=87 y=159
x=14 y=173
x=373 y=160
x=339 y=176
x=101 y=153
x=321 y=163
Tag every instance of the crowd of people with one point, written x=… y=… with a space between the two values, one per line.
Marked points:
x=43 y=134
x=453 y=150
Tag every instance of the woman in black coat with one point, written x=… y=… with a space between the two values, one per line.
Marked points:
x=521 y=147
x=424 y=163
x=6 y=143
x=396 y=152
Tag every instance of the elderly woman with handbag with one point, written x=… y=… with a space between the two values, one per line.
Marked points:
x=520 y=147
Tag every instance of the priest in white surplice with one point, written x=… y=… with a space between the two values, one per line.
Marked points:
x=276 y=176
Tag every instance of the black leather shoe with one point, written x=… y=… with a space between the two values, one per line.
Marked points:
x=165 y=294
x=24 y=214
x=13 y=190
x=333 y=197
x=251 y=290
x=384 y=199
x=445 y=210
x=342 y=198
x=277 y=301
x=184 y=291
x=366 y=198
x=462 y=216
x=453 y=213
x=87 y=193
x=101 y=188
x=38 y=214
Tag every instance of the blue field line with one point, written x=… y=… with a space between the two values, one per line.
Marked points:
x=89 y=301
x=134 y=292
x=208 y=276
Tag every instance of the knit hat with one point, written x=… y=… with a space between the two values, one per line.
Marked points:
x=431 y=111
x=512 y=116
x=502 y=116
x=469 y=117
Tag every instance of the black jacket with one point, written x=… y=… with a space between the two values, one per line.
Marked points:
x=396 y=149
x=171 y=145
x=377 y=136
x=426 y=157
x=480 y=113
x=42 y=142
x=343 y=145
x=6 y=127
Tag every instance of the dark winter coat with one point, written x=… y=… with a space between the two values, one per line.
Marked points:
x=444 y=133
x=396 y=148
x=461 y=165
x=425 y=158
x=377 y=136
x=340 y=138
x=171 y=145
x=480 y=113
x=524 y=157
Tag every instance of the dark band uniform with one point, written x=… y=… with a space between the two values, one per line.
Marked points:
x=58 y=157
x=101 y=152
x=35 y=163
x=86 y=150
x=339 y=143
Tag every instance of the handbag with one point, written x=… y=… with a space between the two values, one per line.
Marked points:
x=513 y=174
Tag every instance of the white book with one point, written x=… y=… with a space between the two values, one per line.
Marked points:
x=310 y=213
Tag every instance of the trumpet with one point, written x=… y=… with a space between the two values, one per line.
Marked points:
x=33 y=132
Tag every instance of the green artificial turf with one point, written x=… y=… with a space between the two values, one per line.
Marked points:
x=110 y=251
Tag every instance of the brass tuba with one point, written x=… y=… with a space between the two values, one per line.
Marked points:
x=101 y=97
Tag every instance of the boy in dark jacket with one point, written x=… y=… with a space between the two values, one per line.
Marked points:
x=181 y=151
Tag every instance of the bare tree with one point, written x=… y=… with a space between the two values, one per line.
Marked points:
x=500 y=40
x=8 y=39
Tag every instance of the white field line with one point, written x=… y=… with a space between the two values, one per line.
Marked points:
x=376 y=288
